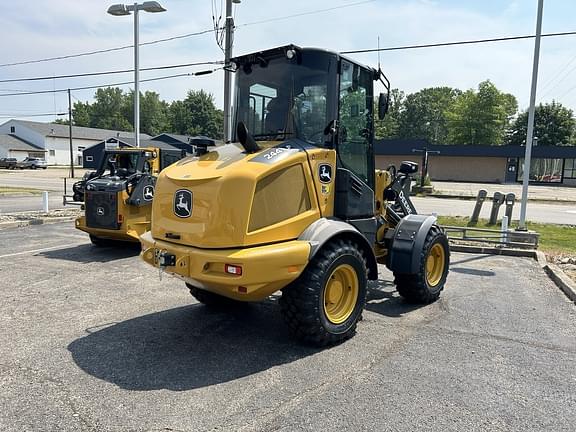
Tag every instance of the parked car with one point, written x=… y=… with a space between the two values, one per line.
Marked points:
x=9 y=163
x=32 y=163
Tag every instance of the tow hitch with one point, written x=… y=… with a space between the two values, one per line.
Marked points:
x=164 y=259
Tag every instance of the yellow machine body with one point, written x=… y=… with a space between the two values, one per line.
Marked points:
x=247 y=211
x=131 y=220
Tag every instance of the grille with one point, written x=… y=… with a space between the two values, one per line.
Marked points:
x=102 y=210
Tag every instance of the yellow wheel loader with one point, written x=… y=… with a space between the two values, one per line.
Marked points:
x=117 y=198
x=294 y=203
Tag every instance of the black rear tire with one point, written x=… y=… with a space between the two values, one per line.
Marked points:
x=308 y=305
x=100 y=242
x=424 y=287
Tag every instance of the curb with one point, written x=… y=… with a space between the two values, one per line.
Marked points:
x=38 y=221
x=473 y=198
x=558 y=276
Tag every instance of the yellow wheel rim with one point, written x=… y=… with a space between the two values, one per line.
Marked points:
x=341 y=294
x=435 y=263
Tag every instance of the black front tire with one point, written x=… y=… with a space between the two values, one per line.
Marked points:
x=304 y=301
x=424 y=287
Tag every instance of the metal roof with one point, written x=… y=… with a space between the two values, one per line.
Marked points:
x=79 y=132
x=174 y=137
x=12 y=142
x=398 y=147
x=144 y=143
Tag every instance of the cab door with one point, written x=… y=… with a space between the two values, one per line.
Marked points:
x=354 y=198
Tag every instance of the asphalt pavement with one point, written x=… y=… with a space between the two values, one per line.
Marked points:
x=92 y=340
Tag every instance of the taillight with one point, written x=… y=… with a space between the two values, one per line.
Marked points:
x=233 y=269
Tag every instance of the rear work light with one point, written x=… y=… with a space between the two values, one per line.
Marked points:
x=233 y=269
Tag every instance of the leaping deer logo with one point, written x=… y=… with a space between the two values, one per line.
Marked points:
x=149 y=193
x=183 y=203
x=325 y=173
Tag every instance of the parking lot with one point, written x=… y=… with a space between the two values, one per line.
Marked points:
x=92 y=340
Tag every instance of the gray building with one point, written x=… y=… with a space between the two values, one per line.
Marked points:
x=51 y=141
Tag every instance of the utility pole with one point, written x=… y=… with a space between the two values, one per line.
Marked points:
x=530 y=131
x=70 y=131
x=227 y=74
x=136 y=79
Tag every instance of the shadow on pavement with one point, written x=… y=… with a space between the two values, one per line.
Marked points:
x=188 y=347
x=472 y=271
x=383 y=299
x=472 y=258
x=87 y=253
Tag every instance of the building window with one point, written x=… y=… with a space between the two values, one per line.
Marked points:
x=89 y=158
x=570 y=168
x=12 y=129
x=542 y=170
x=81 y=149
x=52 y=152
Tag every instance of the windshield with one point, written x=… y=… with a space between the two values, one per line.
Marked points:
x=279 y=98
x=120 y=164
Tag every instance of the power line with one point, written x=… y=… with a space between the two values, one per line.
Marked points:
x=187 y=35
x=468 y=42
x=107 y=50
x=88 y=74
x=189 y=74
x=304 y=14
x=33 y=115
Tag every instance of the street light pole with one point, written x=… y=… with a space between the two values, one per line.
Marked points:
x=530 y=131
x=227 y=74
x=121 y=10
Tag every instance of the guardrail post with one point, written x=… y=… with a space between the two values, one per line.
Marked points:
x=510 y=200
x=482 y=194
x=504 y=229
x=45 y=201
x=497 y=201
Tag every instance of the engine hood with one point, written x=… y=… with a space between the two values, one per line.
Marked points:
x=208 y=201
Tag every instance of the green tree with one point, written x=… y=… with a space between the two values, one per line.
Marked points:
x=481 y=117
x=388 y=128
x=553 y=125
x=153 y=113
x=424 y=114
x=196 y=115
x=109 y=111
x=81 y=114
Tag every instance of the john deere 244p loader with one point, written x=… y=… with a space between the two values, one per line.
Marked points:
x=294 y=203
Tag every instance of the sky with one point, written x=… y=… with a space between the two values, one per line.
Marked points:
x=38 y=29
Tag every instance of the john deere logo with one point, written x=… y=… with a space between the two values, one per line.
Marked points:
x=148 y=192
x=183 y=203
x=325 y=173
x=100 y=211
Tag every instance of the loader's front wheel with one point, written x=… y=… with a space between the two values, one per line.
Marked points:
x=325 y=303
x=425 y=285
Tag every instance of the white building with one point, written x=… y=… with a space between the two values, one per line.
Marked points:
x=51 y=141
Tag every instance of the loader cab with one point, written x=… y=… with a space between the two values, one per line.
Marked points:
x=320 y=99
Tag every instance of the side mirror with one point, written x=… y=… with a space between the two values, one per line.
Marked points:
x=383 y=105
x=246 y=139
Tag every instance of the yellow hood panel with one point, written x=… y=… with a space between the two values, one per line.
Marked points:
x=222 y=185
